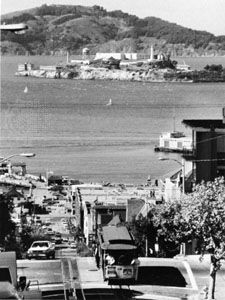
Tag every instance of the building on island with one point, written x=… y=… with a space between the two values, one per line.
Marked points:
x=116 y=55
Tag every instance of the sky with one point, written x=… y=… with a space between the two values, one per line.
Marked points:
x=206 y=15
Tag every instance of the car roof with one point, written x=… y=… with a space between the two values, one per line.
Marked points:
x=41 y=242
x=153 y=261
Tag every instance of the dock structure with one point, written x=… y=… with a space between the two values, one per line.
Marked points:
x=174 y=142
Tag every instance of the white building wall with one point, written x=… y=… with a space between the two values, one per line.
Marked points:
x=131 y=56
x=172 y=191
x=116 y=55
x=86 y=223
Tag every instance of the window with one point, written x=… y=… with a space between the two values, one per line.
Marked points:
x=5 y=275
x=40 y=245
x=179 y=145
x=165 y=276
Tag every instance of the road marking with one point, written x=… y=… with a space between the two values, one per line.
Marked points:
x=72 y=278
x=66 y=281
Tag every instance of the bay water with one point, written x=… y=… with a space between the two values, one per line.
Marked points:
x=72 y=130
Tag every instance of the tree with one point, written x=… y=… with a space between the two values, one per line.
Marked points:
x=199 y=215
x=144 y=233
x=7 y=226
x=204 y=211
x=12 y=238
x=172 y=229
x=212 y=68
x=164 y=224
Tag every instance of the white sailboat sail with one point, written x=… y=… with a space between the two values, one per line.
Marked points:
x=110 y=102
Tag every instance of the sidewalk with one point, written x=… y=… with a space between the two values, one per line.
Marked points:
x=88 y=271
x=201 y=272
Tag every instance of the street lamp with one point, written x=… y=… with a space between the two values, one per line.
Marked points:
x=19 y=154
x=181 y=163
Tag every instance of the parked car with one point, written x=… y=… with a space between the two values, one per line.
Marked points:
x=65 y=240
x=73 y=245
x=49 y=230
x=58 y=239
x=165 y=278
x=41 y=249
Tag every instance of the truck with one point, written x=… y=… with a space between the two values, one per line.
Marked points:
x=10 y=288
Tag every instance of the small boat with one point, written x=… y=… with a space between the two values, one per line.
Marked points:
x=25 y=90
x=109 y=103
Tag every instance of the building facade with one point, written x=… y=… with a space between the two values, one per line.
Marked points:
x=208 y=157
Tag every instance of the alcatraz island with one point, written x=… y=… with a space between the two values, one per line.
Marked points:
x=124 y=66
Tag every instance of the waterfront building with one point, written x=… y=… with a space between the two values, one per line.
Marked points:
x=208 y=157
x=204 y=160
x=175 y=141
x=25 y=67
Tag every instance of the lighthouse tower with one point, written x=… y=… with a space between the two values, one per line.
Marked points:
x=152 y=53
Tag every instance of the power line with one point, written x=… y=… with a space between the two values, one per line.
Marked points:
x=210 y=139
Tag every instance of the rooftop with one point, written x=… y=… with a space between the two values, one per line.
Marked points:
x=110 y=233
x=206 y=123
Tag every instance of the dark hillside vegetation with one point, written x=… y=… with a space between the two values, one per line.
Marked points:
x=55 y=29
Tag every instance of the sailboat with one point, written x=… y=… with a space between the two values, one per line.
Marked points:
x=109 y=103
x=25 y=90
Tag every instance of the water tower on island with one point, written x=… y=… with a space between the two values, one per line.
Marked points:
x=85 y=53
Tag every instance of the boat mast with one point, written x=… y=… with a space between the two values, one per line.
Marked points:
x=174 y=120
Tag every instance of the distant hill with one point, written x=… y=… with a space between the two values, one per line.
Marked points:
x=57 y=29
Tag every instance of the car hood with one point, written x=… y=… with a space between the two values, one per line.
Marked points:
x=165 y=292
x=7 y=291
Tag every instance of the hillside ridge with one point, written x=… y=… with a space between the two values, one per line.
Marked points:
x=56 y=29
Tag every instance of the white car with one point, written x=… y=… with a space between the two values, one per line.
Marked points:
x=165 y=278
x=41 y=249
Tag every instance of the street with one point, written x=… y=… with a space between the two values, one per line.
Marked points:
x=71 y=272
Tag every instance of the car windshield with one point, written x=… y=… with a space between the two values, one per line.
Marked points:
x=39 y=244
x=5 y=275
x=160 y=275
